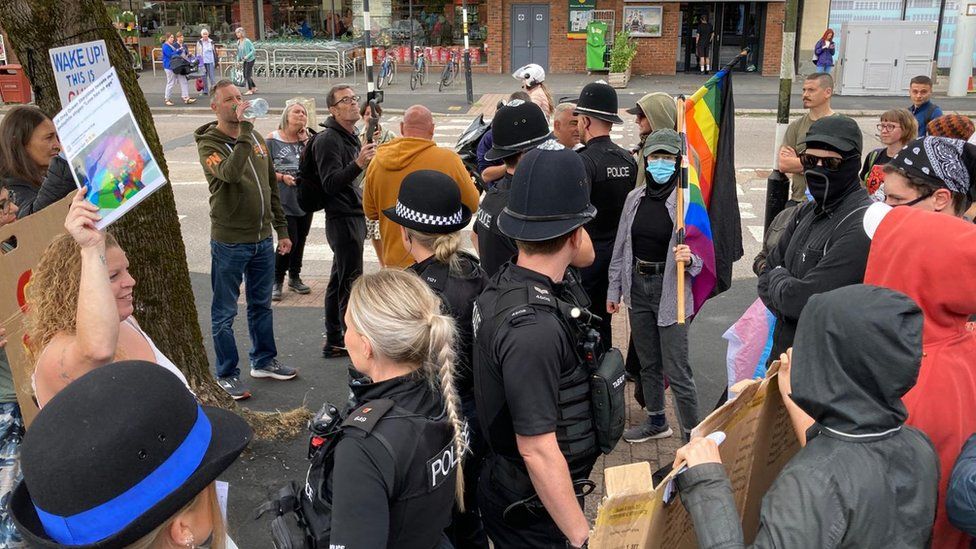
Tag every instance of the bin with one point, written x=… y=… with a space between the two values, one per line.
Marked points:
x=14 y=86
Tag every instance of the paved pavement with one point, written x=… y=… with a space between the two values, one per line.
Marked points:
x=753 y=93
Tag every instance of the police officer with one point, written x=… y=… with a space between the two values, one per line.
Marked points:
x=613 y=173
x=518 y=126
x=531 y=391
x=388 y=477
x=431 y=216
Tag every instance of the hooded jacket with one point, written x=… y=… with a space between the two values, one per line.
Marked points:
x=864 y=479
x=244 y=203
x=660 y=110
x=823 y=249
x=335 y=151
x=393 y=161
x=932 y=258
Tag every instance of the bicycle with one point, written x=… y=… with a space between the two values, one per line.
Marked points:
x=450 y=71
x=387 y=71
x=420 y=69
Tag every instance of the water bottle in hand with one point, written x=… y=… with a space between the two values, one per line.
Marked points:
x=258 y=109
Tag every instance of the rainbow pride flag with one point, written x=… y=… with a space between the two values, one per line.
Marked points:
x=712 y=223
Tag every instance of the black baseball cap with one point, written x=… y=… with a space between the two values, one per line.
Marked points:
x=837 y=133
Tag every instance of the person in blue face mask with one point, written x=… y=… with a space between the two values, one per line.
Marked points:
x=644 y=276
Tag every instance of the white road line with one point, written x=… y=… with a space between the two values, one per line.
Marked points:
x=186 y=183
x=757 y=232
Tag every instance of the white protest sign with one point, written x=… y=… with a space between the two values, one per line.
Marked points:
x=106 y=151
x=78 y=66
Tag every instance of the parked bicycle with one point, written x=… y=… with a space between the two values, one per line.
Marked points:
x=450 y=71
x=420 y=69
x=387 y=72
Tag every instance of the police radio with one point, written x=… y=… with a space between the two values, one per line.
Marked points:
x=322 y=427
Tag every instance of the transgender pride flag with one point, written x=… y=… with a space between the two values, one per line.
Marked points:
x=712 y=224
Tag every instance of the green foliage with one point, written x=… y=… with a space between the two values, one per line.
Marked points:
x=623 y=51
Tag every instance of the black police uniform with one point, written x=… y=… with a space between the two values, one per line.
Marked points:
x=613 y=174
x=387 y=478
x=458 y=290
x=494 y=248
x=528 y=381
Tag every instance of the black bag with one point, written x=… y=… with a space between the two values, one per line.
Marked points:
x=287 y=526
x=180 y=65
x=607 y=386
x=311 y=197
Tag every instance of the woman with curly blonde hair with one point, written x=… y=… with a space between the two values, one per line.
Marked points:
x=80 y=307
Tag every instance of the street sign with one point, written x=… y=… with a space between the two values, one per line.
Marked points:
x=78 y=66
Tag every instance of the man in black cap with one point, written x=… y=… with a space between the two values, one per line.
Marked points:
x=612 y=172
x=518 y=126
x=825 y=247
x=531 y=390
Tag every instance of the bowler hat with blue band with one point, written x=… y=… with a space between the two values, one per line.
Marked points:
x=116 y=454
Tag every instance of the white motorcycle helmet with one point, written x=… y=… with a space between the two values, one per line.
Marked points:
x=530 y=74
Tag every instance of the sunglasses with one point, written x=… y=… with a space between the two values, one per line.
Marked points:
x=6 y=204
x=348 y=100
x=810 y=161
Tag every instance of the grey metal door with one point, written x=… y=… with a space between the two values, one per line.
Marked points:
x=530 y=35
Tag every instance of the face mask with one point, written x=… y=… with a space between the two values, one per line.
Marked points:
x=828 y=186
x=660 y=170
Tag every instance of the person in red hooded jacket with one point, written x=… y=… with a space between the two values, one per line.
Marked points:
x=932 y=259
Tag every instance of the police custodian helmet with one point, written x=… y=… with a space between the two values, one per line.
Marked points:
x=518 y=126
x=549 y=196
x=598 y=100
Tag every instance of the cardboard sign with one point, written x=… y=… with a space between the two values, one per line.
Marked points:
x=108 y=155
x=33 y=234
x=759 y=441
x=77 y=67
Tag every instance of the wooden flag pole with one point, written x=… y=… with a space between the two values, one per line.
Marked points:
x=679 y=216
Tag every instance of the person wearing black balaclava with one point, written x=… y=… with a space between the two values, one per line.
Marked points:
x=825 y=247
x=644 y=275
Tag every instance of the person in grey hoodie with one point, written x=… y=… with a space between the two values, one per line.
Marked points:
x=863 y=478
x=244 y=209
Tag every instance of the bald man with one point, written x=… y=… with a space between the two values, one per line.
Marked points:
x=414 y=151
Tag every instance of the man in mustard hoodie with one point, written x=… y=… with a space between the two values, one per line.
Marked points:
x=244 y=208
x=414 y=151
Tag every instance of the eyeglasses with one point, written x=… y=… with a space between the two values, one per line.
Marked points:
x=810 y=161
x=888 y=127
x=6 y=204
x=348 y=100
x=924 y=196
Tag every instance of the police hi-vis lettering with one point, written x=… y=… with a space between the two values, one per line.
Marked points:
x=440 y=466
x=618 y=171
x=484 y=218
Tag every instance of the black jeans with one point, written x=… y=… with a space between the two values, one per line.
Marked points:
x=248 y=71
x=596 y=278
x=345 y=236
x=298 y=227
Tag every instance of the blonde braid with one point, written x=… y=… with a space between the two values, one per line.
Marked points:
x=440 y=362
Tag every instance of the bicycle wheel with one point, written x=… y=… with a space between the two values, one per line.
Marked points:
x=452 y=74
x=413 y=80
x=380 y=78
x=391 y=73
x=423 y=73
x=442 y=81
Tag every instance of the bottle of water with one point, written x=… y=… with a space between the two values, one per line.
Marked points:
x=258 y=109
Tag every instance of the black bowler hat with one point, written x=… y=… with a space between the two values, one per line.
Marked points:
x=549 y=196
x=838 y=132
x=429 y=202
x=116 y=454
x=517 y=127
x=598 y=100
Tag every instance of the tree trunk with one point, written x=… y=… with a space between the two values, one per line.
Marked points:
x=150 y=233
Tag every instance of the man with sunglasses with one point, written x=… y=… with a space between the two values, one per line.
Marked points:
x=339 y=159
x=825 y=247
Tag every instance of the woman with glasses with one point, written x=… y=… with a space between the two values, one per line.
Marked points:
x=896 y=129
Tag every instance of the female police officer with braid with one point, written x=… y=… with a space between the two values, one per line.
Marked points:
x=395 y=472
x=431 y=216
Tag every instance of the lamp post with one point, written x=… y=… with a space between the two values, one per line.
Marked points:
x=777 y=184
x=370 y=90
x=469 y=93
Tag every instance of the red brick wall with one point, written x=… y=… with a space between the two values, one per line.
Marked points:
x=249 y=20
x=773 y=43
x=654 y=56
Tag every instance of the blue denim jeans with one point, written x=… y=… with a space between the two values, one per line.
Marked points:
x=254 y=265
x=208 y=77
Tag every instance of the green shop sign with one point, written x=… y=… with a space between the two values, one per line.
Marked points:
x=580 y=15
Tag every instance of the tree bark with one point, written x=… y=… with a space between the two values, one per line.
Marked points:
x=150 y=234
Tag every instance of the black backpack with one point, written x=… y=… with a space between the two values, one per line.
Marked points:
x=311 y=197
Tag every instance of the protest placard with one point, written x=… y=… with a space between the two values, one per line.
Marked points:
x=30 y=236
x=77 y=67
x=106 y=151
x=759 y=441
